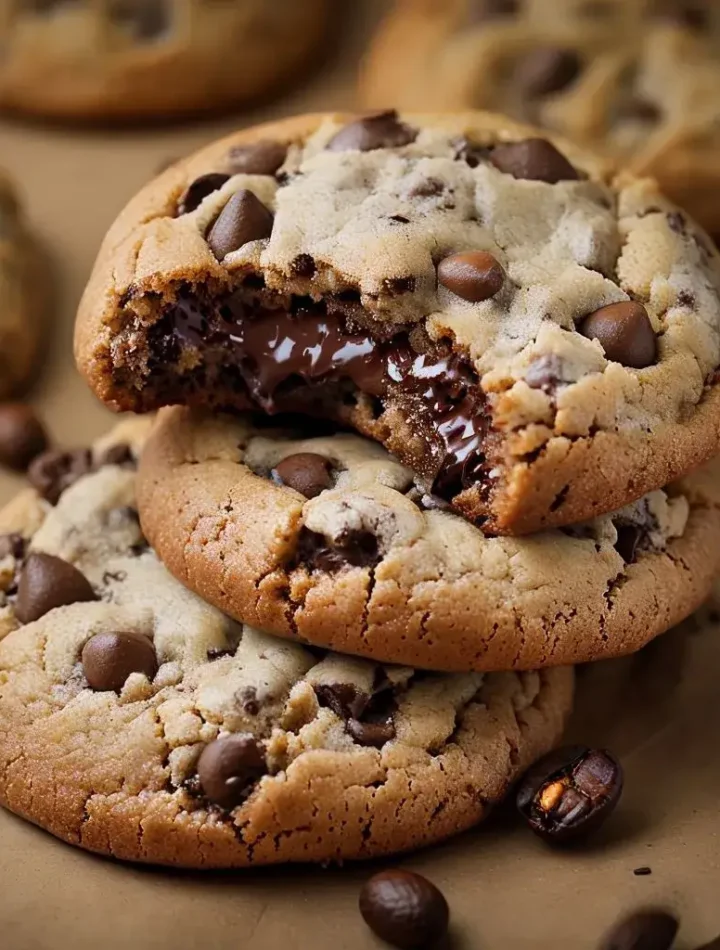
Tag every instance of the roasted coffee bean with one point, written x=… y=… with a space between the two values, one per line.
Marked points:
x=345 y=700
x=625 y=333
x=643 y=930
x=244 y=218
x=404 y=909
x=54 y=471
x=229 y=767
x=199 y=190
x=109 y=658
x=534 y=160
x=546 y=70
x=472 y=275
x=382 y=130
x=47 y=582
x=374 y=734
x=22 y=436
x=306 y=472
x=569 y=793
x=260 y=158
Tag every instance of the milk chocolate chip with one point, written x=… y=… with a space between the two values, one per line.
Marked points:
x=199 y=190
x=548 y=69
x=47 y=582
x=472 y=275
x=306 y=472
x=383 y=130
x=260 y=158
x=534 y=160
x=109 y=658
x=22 y=436
x=625 y=333
x=244 y=218
x=404 y=909
x=54 y=471
x=229 y=767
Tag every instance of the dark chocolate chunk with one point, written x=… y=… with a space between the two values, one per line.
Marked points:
x=625 y=333
x=533 y=160
x=51 y=473
x=22 y=436
x=628 y=540
x=382 y=130
x=244 y=218
x=643 y=930
x=374 y=734
x=472 y=154
x=12 y=544
x=569 y=793
x=404 y=909
x=260 y=158
x=109 y=658
x=199 y=190
x=303 y=266
x=352 y=549
x=306 y=472
x=345 y=700
x=644 y=871
x=472 y=275
x=47 y=582
x=547 y=69
x=229 y=767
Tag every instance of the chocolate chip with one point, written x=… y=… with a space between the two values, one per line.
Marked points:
x=547 y=69
x=481 y=10
x=229 y=767
x=244 y=218
x=533 y=160
x=144 y=19
x=472 y=275
x=569 y=793
x=303 y=266
x=345 y=700
x=382 y=130
x=643 y=930
x=473 y=155
x=628 y=540
x=545 y=372
x=249 y=701
x=644 y=871
x=12 y=545
x=306 y=472
x=120 y=454
x=353 y=548
x=260 y=158
x=625 y=333
x=51 y=473
x=47 y=582
x=109 y=658
x=374 y=734
x=22 y=436
x=199 y=190
x=427 y=188
x=404 y=909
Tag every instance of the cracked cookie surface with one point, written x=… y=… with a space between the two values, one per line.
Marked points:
x=329 y=540
x=95 y=59
x=140 y=722
x=636 y=79
x=22 y=294
x=537 y=339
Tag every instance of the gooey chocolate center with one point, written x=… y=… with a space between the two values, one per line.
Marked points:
x=283 y=360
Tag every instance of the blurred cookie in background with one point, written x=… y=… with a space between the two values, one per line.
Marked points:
x=637 y=79
x=125 y=59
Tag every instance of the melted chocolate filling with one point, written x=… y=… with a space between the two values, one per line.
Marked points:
x=311 y=358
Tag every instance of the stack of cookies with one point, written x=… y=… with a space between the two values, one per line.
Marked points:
x=433 y=392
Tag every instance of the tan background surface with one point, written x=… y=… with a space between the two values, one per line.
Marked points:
x=658 y=711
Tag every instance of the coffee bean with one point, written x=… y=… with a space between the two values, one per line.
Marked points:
x=625 y=333
x=306 y=472
x=109 y=658
x=198 y=191
x=546 y=70
x=404 y=909
x=345 y=700
x=22 y=436
x=383 y=130
x=569 y=793
x=472 y=275
x=47 y=582
x=12 y=545
x=229 y=767
x=643 y=930
x=51 y=473
x=533 y=160
x=260 y=158
x=244 y=218
x=374 y=734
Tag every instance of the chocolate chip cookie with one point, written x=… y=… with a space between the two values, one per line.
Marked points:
x=22 y=294
x=140 y=722
x=537 y=339
x=328 y=540
x=637 y=79
x=85 y=59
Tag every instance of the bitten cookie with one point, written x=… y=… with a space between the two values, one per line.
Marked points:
x=637 y=79
x=138 y=721
x=330 y=541
x=96 y=59
x=22 y=297
x=536 y=339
